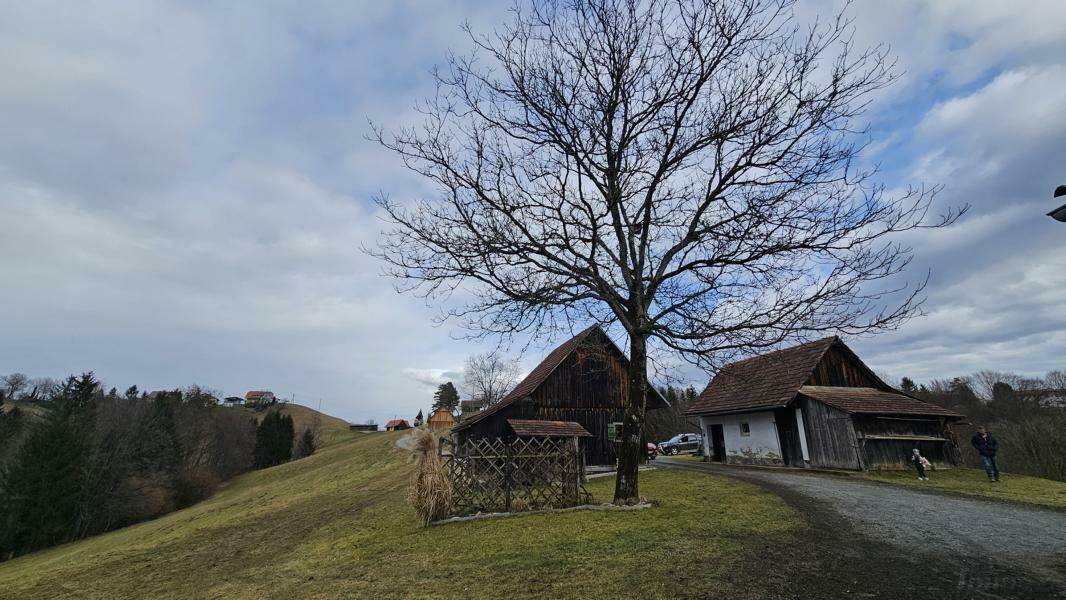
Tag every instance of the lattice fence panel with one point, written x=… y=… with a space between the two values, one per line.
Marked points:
x=489 y=475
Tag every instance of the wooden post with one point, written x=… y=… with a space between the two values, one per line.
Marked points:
x=507 y=476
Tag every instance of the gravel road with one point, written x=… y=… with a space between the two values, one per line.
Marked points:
x=965 y=548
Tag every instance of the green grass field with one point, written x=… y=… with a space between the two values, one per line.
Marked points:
x=335 y=525
x=974 y=483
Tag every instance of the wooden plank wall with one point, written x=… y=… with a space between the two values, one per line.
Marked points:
x=831 y=441
x=895 y=454
x=788 y=434
x=838 y=369
x=589 y=388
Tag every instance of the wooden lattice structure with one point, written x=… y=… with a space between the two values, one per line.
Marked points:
x=498 y=475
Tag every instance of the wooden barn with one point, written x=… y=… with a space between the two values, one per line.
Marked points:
x=583 y=381
x=818 y=405
x=441 y=419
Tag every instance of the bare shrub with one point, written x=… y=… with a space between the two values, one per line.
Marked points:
x=431 y=492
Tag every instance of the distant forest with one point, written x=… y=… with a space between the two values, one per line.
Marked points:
x=77 y=461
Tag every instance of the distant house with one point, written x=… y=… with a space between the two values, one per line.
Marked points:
x=362 y=426
x=397 y=425
x=259 y=398
x=441 y=419
x=583 y=381
x=470 y=407
x=233 y=401
x=818 y=405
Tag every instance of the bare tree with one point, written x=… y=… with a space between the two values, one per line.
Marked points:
x=488 y=377
x=41 y=388
x=14 y=384
x=686 y=171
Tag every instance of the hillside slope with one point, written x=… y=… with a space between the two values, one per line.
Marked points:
x=335 y=525
x=329 y=428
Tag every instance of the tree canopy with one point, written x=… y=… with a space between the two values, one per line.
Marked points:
x=686 y=171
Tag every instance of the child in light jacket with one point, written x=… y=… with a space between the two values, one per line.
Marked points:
x=920 y=464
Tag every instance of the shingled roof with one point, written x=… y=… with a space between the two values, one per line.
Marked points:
x=533 y=428
x=761 y=382
x=872 y=401
x=541 y=372
x=774 y=379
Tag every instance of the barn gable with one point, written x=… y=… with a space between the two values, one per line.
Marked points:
x=584 y=380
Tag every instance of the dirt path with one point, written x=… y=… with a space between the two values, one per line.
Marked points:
x=873 y=540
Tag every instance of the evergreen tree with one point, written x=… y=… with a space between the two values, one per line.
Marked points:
x=307 y=445
x=274 y=439
x=908 y=386
x=46 y=490
x=10 y=422
x=159 y=450
x=446 y=396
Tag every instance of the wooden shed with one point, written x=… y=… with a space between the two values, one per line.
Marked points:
x=441 y=419
x=583 y=381
x=818 y=405
x=397 y=425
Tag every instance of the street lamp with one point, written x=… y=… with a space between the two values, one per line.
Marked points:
x=1059 y=214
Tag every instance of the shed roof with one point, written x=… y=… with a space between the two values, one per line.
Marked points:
x=541 y=372
x=531 y=428
x=872 y=401
x=396 y=422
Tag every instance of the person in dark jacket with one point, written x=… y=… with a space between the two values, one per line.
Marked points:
x=986 y=446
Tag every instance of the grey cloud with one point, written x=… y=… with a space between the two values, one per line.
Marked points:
x=184 y=191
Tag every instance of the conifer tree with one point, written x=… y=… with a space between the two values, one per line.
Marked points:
x=307 y=445
x=274 y=440
x=446 y=396
x=45 y=489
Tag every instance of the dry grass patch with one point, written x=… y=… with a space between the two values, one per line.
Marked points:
x=336 y=525
x=1020 y=489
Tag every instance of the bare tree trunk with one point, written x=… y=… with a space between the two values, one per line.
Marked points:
x=625 y=489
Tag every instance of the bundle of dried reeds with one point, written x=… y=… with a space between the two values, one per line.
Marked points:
x=431 y=492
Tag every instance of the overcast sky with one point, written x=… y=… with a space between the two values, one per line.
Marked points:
x=184 y=189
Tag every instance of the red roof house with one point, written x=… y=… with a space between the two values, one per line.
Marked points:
x=397 y=425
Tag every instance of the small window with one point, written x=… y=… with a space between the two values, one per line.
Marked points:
x=745 y=430
x=684 y=438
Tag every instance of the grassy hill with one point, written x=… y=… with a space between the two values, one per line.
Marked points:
x=335 y=525
x=329 y=428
